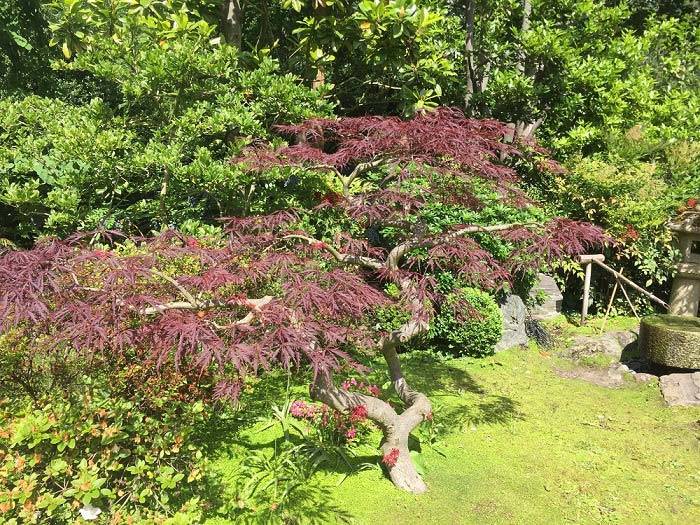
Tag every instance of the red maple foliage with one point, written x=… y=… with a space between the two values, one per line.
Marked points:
x=273 y=295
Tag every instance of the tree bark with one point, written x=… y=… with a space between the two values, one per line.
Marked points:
x=320 y=10
x=395 y=427
x=525 y=130
x=524 y=27
x=469 y=52
x=231 y=15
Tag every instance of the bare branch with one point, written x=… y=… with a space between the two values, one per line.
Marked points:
x=359 y=170
x=477 y=229
x=174 y=305
x=254 y=304
x=187 y=295
x=397 y=253
x=345 y=258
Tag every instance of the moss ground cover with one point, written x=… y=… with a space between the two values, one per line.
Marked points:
x=515 y=443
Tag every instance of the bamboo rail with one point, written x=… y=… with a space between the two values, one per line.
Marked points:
x=588 y=261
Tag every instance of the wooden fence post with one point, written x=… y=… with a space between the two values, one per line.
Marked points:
x=588 y=261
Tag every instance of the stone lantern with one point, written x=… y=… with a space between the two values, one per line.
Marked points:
x=685 y=294
x=673 y=340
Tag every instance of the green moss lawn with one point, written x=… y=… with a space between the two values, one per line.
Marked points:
x=515 y=443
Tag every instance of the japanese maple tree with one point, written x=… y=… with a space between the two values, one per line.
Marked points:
x=275 y=294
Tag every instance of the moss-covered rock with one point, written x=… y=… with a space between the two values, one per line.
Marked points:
x=671 y=340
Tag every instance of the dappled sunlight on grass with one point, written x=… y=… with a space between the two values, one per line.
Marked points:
x=511 y=442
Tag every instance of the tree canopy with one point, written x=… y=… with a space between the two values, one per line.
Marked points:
x=276 y=296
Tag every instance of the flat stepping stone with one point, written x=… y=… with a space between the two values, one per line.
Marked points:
x=607 y=377
x=681 y=389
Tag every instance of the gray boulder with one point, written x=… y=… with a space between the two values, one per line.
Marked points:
x=611 y=344
x=681 y=389
x=514 y=313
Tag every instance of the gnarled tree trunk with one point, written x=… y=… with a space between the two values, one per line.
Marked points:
x=396 y=427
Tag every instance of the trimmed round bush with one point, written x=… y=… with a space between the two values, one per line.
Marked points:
x=469 y=323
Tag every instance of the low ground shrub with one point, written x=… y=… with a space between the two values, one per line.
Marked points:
x=100 y=455
x=83 y=435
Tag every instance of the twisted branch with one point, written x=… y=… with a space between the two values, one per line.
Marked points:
x=345 y=258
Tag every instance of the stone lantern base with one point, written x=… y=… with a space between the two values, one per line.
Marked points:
x=685 y=295
x=671 y=340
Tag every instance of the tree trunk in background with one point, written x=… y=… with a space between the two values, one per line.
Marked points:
x=524 y=26
x=478 y=65
x=469 y=52
x=320 y=10
x=525 y=130
x=320 y=77
x=231 y=14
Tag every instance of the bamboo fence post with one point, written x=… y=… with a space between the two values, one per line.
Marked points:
x=587 y=260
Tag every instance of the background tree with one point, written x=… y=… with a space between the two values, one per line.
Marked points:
x=147 y=106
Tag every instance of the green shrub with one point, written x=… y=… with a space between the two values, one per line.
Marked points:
x=58 y=457
x=633 y=200
x=469 y=323
x=390 y=317
x=155 y=154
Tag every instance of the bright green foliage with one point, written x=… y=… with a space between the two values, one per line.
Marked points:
x=123 y=114
x=90 y=25
x=633 y=202
x=578 y=71
x=58 y=456
x=632 y=192
x=377 y=55
x=469 y=323
x=57 y=167
x=148 y=144
x=648 y=79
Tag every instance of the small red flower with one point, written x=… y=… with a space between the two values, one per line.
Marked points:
x=374 y=390
x=692 y=203
x=391 y=457
x=429 y=416
x=351 y=433
x=192 y=243
x=359 y=413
